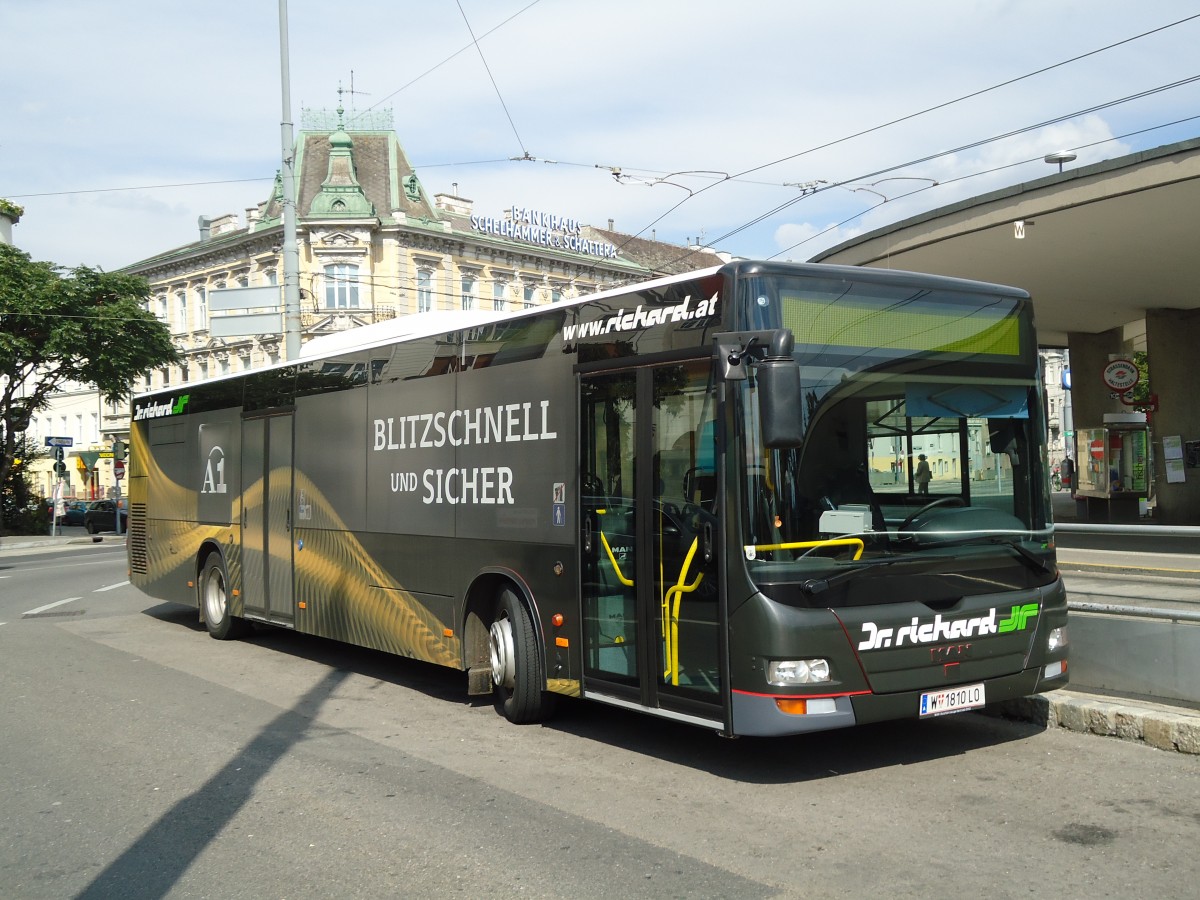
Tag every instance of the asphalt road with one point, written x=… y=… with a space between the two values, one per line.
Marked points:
x=143 y=759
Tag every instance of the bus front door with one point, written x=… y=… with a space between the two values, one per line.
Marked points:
x=650 y=508
x=267 y=518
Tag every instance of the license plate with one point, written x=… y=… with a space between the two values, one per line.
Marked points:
x=940 y=703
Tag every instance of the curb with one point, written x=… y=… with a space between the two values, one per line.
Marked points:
x=1162 y=727
x=48 y=543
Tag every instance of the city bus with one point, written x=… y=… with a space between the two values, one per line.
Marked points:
x=696 y=497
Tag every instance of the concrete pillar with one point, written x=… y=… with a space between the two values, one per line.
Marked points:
x=1090 y=353
x=1090 y=401
x=1172 y=336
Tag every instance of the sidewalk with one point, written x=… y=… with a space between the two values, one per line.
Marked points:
x=34 y=542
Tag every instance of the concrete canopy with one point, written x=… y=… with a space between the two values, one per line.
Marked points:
x=1103 y=243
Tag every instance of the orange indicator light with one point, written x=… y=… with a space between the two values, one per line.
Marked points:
x=448 y=632
x=302 y=605
x=793 y=706
x=557 y=619
x=191 y=584
x=561 y=642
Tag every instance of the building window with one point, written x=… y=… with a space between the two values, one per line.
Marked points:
x=341 y=287
x=424 y=290
x=203 y=365
x=79 y=427
x=166 y=377
x=468 y=291
x=272 y=277
x=499 y=288
x=527 y=295
x=555 y=295
x=162 y=308
x=95 y=428
x=181 y=311
x=201 y=308
x=185 y=372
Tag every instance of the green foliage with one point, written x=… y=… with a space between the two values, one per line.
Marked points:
x=1141 y=390
x=10 y=209
x=77 y=325
x=21 y=511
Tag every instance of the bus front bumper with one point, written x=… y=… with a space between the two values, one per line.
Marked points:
x=764 y=714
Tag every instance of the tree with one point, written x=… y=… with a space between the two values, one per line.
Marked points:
x=80 y=325
x=20 y=511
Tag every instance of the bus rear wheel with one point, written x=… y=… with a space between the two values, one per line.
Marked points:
x=516 y=663
x=214 y=601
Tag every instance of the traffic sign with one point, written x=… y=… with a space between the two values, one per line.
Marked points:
x=1096 y=448
x=60 y=442
x=118 y=469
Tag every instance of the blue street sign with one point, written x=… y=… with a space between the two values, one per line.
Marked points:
x=60 y=442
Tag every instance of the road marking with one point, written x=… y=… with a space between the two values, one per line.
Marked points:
x=42 y=609
x=110 y=587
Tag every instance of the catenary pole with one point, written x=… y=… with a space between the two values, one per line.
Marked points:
x=291 y=256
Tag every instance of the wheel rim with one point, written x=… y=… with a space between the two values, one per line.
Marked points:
x=214 y=597
x=503 y=657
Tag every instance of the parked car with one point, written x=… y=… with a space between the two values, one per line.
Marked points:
x=73 y=511
x=76 y=510
x=101 y=516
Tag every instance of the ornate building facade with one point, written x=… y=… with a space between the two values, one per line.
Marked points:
x=374 y=245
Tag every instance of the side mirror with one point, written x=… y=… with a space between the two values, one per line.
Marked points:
x=780 y=395
x=777 y=374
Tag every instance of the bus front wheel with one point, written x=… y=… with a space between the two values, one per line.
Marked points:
x=214 y=601
x=516 y=663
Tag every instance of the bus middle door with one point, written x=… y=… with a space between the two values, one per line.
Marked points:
x=650 y=511
x=267 y=518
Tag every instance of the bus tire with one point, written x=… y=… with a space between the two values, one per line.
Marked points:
x=516 y=664
x=213 y=588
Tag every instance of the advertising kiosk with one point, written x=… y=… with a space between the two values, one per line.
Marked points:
x=1113 y=467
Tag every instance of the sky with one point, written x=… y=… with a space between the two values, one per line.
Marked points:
x=762 y=128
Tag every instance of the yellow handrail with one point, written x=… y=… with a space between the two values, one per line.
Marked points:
x=805 y=545
x=671 y=633
x=612 y=559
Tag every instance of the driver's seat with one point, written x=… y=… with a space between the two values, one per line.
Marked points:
x=700 y=488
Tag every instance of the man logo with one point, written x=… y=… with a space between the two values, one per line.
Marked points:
x=949 y=652
x=214 y=473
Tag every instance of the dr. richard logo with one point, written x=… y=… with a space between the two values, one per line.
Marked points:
x=940 y=630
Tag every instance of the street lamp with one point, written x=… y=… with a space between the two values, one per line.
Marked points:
x=1062 y=156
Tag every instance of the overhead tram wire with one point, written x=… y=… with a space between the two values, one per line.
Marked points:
x=991 y=171
x=970 y=146
x=492 y=78
x=735 y=177
x=922 y=112
x=143 y=187
x=456 y=53
x=381 y=281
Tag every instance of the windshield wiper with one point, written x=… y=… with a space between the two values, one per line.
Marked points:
x=820 y=585
x=1027 y=556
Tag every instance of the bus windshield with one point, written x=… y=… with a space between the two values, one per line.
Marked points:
x=923 y=443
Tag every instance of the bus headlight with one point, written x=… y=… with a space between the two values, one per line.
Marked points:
x=787 y=672
x=1057 y=638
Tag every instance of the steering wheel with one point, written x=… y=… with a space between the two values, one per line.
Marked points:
x=940 y=501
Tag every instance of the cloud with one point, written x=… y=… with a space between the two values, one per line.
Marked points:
x=95 y=96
